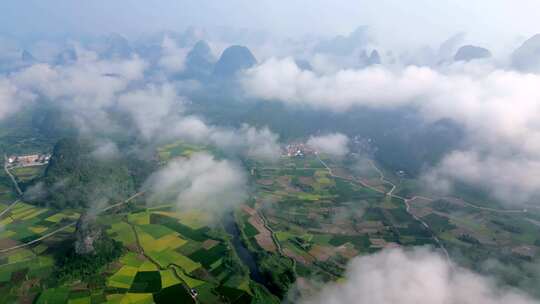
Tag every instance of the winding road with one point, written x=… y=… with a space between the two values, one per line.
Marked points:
x=408 y=200
x=272 y=233
x=13 y=179
x=171 y=266
x=41 y=238
x=390 y=194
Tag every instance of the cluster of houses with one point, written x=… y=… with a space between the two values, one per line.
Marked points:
x=28 y=160
x=298 y=150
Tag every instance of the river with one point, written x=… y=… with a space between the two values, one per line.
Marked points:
x=247 y=257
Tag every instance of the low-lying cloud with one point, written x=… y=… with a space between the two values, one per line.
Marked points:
x=200 y=181
x=335 y=144
x=173 y=58
x=418 y=276
x=498 y=109
x=158 y=112
x=85 y=89
x=11 y=98
x=511 y=179
x=90 y=88
x=151 y=107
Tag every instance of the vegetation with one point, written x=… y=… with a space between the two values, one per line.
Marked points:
x=77 y=177
x=319 y=221
x=71 y=265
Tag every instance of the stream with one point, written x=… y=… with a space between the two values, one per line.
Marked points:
x=247 y=257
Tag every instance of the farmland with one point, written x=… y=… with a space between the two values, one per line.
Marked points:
x=309 y=218
x=163 y=258
x=166 y=253
x=304 y=222
x=306 y=218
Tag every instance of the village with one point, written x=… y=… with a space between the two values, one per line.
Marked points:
x=28 y=160
x=298 y=150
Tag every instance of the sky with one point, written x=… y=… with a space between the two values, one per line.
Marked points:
x=394 y=21
x=495 y=104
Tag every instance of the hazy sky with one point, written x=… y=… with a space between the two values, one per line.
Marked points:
x=414 y=21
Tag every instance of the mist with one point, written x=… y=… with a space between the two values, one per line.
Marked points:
x=200 y=181
x=415 y=276
x=427 y=96
x=431 y=23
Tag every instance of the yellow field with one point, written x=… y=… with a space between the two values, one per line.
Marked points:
x=138 y=298
x=38 y=229
x=25 y=211
x=123 y=277
x=148 y=266
x=123 y=231
x=193 y=218
x=7 y=234
x=170 y=241
x=131 y=259
x=20 y=207
x=114 y=298
x=140 y=218
x=6 y=221
x=168 y=278
x=164 y=258
x=192 y=283
x=34 y=214
x=20 y=255
x=86 y=300
x=62 y=215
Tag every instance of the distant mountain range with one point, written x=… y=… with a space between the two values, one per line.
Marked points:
x=200 y=60
x=234 y=59
x=344 y=45
x=527 y=57
x=471 y=52
x=373 y=58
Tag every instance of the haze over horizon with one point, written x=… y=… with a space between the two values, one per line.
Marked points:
x=394 y=23
x=270 y=152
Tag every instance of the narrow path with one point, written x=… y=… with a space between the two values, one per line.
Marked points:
x=494 y=210
x=382 y=178
x=434 y=236
x=17 y=188
x=38 y=239
x=354 y=180
x=276 y=241
x=405 y=201
x=9 y=207
x=272 y=233
x=68 y=225
x=171 y=266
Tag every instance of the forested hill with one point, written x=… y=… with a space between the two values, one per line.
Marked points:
x=77 y=176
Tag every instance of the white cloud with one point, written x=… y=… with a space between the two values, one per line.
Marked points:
x=106 y=150
x=413 y=277
x=11 y=98
x=86 y=84
x=152 y=107
x=377 y=86
x=498 y=109
x=260 y=144
x=90 y=87
x=159 y=114
x=173 y=58
x=200 y=181
x=335 y=144
x=84 y=89
x=512 y=179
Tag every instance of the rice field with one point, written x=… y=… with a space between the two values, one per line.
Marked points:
x=161 y=259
